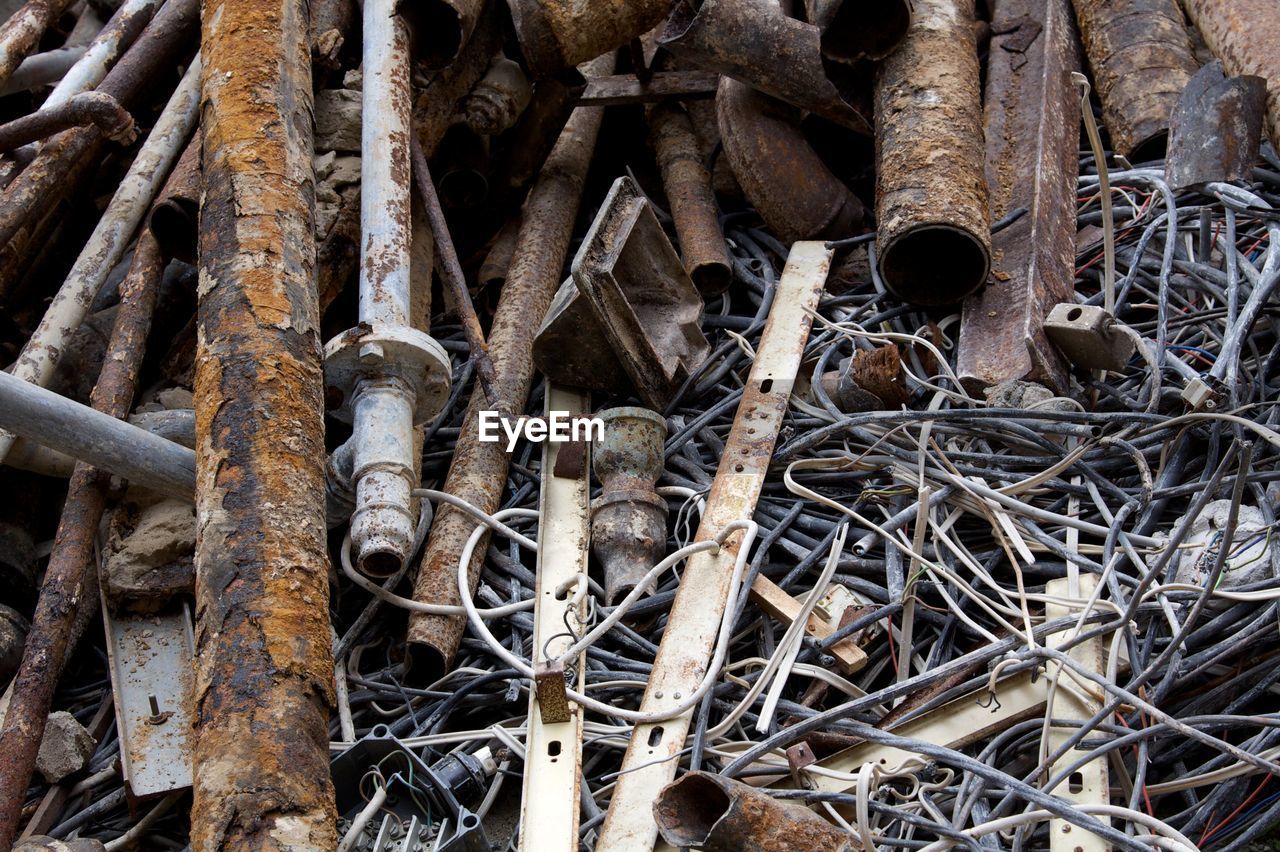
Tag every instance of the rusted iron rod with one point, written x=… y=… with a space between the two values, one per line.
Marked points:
x=1141 y=59
x=934 y=236
x=1244 y=35
x=693 y=203
x=47 y=179
x=71 y=575
x=1032 y=120
x=753 y=41
x=451 y=271
x=559 y=34
x=479 y=470
x=21 y=33
x=94 y=108
x=103 y=52
x=264 y=669
x=781 y=174
x=719 y=814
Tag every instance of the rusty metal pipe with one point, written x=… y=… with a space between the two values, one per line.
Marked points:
x=559 y=34
x=1141 y=58
x=479 y=470
x=778 y=170
x=96 y=108
x=499 y=99
x=1032 y=120
x=934 y=234
x=854 y=30
x=753 y=41
x=69 y=582
x=1244 y=35
x=42 y=69
x=693 y=203
x=174 y=220
x=264 y=666
x=106 y=48
x=718 y=814
x=440 y=28
x=22 y=31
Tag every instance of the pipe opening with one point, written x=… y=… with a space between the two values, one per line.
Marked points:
x=711 y=279
x=436 y=32
x=426 y=664
x=463 y=189
x=380 y=563
x=934 y=265
x=1152 y=148
x=689 y=809
x=174 y=225
x=865 y=30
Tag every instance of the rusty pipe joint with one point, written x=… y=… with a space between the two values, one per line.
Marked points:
x=629 y=518
x=499 y=99
x=388 y=380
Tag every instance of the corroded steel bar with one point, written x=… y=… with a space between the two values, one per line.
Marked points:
x=559 y=34
x=70 y=580
x=934 y=238
x=21 y=33
x=1141 y=59
x=853 y=30
x=719 y=814
x=753 y=41
x=174 y=220
x=94 y=108
x=106 y=48
x=693 y=203
x=1244 y=35
x=1032 y=120
x=46 y=180
x=779 y=171
x=264 y=668
x=478 y=473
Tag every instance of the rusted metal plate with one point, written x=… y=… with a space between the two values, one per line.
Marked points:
x=689 y=638
x=1141 y=59
x=1216 y=129
x=1032 y=120
x=1244 y=35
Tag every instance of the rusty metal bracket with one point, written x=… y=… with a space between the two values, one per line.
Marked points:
x=1086 y=334
x=704 y=588
x=553 y=747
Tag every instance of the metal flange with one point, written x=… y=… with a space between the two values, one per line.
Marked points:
x=371 y=351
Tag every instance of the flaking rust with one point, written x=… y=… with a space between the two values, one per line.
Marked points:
x=1032 y=116
x=264 y=672
x=479 y=470
x=1141 y=59
x=1244 y=34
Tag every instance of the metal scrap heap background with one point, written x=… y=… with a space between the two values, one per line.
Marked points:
x=918 y=364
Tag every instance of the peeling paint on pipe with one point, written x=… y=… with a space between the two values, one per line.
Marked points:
x=559 y=34
x=934 y=234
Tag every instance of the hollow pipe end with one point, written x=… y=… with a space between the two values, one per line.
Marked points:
x=934 y=264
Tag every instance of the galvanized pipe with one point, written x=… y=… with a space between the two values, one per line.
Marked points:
x=779 y=172
x=391 y=371
x=934 y=235
x=1244 y=35
x=753 y=41
x=1032 y=120
x=1141 y=59
x=69 y=586
x=264 y=667
x=110 y=238
x=478 y=473
x=559 y=34
x=718 y=814
x=693 y=203
x=21 y=33
x=42 y=69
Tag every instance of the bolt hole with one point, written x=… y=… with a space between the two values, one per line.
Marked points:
x=766 y=386
x=738 y=467
x=655 y=737
x=1074 y=314
x=1075 y=783
x=553 y=748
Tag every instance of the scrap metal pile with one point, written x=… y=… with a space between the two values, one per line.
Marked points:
x=721 y=424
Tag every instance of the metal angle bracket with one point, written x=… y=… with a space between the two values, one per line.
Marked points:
x=702 y=597
x=553 y=748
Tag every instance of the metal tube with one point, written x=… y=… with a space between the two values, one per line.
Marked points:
x=21 y=33
x=854 y=30
x=42 y=69
x=1141 y=59
x=107 y=47
x=1244 y=34
x=174 y=216
x=69 y=586
x=559 y=34
x=440 y=29
x=478 y=473
x=693 y=203
x=1032 y=120
x=718 y=814
x=934 y=238
x=102 y=111
x=43 y=417
x=753 y=41
x=779 y=171
x=264 y=667
x=110 y=237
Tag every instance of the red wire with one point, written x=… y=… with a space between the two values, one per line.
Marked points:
x=1256 y=790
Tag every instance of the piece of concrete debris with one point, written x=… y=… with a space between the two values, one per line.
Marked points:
x=1020 y=394
x=338 y=120
x=41 y=843
x=1248 y=554
x=147 y=559
x=65 y=749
